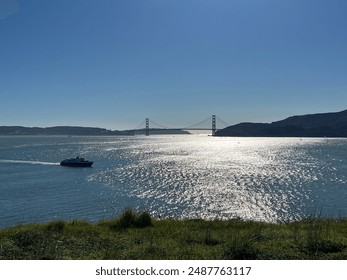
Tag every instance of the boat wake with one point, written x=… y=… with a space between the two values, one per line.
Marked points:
x=28 y=162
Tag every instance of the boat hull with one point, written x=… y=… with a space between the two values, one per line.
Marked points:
x=74 y=164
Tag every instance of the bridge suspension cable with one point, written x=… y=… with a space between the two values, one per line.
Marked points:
x=198 y=125
x=220 y=121
x=157 y=125
x=141 y=125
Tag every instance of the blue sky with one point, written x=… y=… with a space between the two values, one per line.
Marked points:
x=111 y=63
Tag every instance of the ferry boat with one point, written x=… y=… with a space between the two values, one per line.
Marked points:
x=76 y=162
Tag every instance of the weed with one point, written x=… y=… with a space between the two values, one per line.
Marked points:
x=131 y=219
x=143 y=220
x=55 y=227
x=240 y=249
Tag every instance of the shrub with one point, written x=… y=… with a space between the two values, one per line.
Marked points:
x=56 y=227
x=131 y=219
x=143 y=220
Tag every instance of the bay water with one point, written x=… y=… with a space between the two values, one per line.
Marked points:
x=172 y=176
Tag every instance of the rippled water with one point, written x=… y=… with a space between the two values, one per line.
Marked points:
x=190 y=176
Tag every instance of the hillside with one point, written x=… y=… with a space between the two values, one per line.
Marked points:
x=137 y=236
x=58 y=130
x=313 y=125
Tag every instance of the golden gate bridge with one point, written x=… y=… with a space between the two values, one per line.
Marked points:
x=212 y=123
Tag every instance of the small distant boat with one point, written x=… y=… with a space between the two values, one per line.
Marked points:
x=76 y=162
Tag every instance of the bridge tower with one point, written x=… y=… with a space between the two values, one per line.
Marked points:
x=147 y=126
x=214 y=125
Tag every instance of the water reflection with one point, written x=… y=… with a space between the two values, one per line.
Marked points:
x=205 y=177
x=187 y=176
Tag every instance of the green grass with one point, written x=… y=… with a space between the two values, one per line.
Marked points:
x=138 y=236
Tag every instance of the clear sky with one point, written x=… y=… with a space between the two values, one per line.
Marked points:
x=112 y=63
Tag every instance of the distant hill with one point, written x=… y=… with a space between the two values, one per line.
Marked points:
x=58 y=130
x=313 y=125
x=78 y=130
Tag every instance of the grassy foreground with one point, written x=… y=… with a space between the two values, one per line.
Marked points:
x=138 y=236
